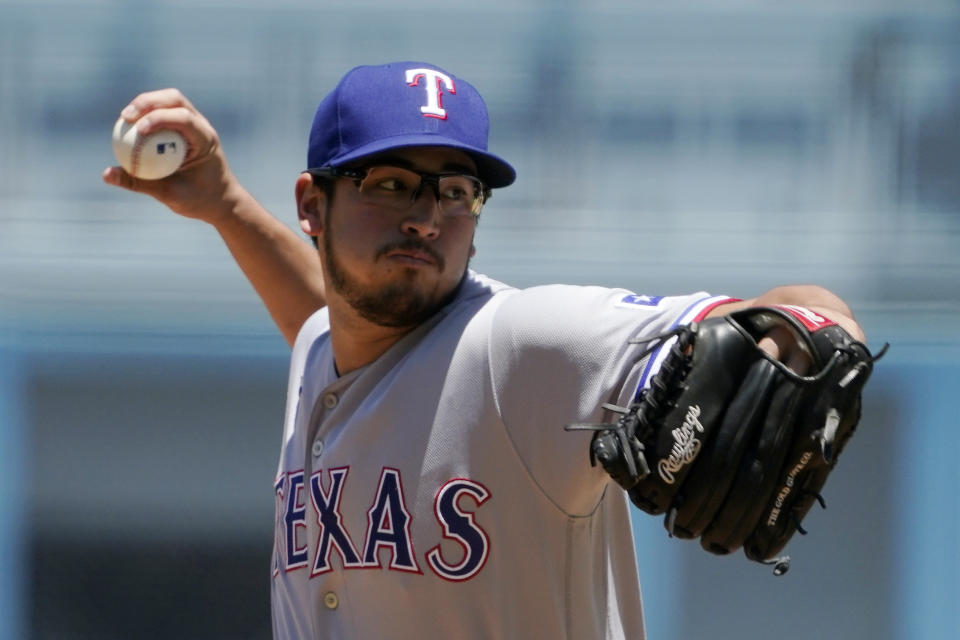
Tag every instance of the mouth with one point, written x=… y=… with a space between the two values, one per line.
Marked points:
x=409 y=254
x=412 y=257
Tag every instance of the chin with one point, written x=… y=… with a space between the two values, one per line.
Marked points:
x=404 y=304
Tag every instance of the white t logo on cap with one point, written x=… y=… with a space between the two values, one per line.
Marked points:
x=432 y=79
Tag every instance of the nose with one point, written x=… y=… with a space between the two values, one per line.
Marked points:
x=423 y=217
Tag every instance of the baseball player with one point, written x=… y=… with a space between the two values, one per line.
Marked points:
x=427 y=486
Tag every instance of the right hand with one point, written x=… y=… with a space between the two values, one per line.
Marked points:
x=203 y=188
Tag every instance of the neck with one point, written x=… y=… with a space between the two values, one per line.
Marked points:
x=356 y=341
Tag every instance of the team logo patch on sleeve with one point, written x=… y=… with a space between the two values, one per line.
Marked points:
x=638 y=301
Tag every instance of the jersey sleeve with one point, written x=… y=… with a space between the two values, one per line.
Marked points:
x=556 y=354
x=315 y=326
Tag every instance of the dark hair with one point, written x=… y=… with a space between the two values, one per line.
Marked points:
x=327 y=186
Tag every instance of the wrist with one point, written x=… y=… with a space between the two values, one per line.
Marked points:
x=231 y=204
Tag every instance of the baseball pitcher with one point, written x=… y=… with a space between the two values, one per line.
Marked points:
x=459 y=456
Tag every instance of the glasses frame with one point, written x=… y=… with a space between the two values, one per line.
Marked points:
x=359 y=174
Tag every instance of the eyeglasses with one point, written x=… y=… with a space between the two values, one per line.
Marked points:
x=396 y=188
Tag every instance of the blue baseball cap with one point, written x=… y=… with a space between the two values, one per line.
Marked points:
x=403 y=104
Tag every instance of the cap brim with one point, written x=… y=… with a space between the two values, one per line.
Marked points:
x=493 y=170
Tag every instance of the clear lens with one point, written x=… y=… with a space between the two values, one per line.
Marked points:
x=397 y=188
x=391 y=184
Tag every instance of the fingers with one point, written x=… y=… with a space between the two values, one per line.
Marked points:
x=168 y=109
x=774 y=342
x=198 y=188
x=200 y=136
x=152 y=100
x=782 y=345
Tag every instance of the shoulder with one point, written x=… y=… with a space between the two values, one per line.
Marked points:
x=316 y=326
x=476 y=298
x=569 y=310
x=574 y=334
x=476 y=286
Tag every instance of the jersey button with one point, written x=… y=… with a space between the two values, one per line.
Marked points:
x=317 y=448
x=330 y=400
x=330 y=600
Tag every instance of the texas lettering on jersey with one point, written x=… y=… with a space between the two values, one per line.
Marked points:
x=388 y=525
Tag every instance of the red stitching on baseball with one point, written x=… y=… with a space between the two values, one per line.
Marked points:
x=135 y=153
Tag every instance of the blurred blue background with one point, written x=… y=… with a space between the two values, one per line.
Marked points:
x=729 y=145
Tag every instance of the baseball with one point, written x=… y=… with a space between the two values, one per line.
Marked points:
x=149 y=157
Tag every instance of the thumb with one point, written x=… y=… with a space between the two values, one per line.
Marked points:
x=117 y=177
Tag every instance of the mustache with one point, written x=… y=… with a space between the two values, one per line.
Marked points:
x=412 y=244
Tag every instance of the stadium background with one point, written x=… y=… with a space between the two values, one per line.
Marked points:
x=729 y=145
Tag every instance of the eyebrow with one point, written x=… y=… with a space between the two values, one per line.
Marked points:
x=452 y=167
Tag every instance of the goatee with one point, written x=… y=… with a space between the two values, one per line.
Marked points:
x=398 y=304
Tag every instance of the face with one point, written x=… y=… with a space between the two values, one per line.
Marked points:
x=395 y=268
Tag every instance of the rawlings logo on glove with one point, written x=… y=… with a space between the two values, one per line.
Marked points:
x=685 y=448
x=756 y=440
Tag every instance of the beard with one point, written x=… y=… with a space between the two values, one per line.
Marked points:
x=398 y=304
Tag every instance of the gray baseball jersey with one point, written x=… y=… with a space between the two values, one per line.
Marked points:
x=435 y=494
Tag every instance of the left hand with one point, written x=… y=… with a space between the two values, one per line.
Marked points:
x=779 y=342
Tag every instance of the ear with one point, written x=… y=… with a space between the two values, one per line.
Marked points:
x=473 y=250
x=311 y=205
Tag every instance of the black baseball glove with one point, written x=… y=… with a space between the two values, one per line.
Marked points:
x=732 y=445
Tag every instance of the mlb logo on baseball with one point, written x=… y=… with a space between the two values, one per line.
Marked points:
x=148 y=157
